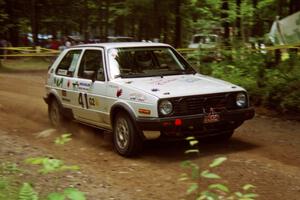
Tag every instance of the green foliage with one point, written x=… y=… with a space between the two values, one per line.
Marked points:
x=3 y=183
x=9 y=168
x=27 y=193
x=269 y=85
x=214 y=191
x=192 y=142
x=63 y=139
x=69 y=193
x=10 y=188
x=50 y=165
x=217 y=162
x=209 y=175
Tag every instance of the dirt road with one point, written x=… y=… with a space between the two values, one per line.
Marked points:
x=264 y=152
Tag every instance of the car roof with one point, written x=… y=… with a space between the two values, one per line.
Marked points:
x=201 y=34
x=123 y=44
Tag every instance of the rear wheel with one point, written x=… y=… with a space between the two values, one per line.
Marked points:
x=55 y=114
x=126 y=139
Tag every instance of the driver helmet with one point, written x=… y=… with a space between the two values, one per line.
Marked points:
x=143 y=58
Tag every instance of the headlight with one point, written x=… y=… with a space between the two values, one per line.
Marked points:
x=165 y=107
x=241 y=100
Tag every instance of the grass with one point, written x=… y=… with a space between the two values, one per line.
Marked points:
x=25 y=64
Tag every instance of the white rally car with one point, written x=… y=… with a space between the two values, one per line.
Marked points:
x=141 y=91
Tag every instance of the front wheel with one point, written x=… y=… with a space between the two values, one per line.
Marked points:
x=126 y=139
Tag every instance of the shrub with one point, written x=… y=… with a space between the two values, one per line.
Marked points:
x=269 y=85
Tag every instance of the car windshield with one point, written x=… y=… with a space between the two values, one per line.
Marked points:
x=147 y=61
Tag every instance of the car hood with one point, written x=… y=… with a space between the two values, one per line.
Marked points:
x=179 y=85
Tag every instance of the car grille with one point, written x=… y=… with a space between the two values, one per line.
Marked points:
x=200 y=104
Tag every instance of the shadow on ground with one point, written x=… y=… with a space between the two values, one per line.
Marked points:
x=163 y=151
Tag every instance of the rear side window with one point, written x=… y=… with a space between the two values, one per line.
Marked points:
x=67 y=65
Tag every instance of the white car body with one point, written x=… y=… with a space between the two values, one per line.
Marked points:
x=98 y=102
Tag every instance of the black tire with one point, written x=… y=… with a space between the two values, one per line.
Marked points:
x=56 y=117
x=126 y=139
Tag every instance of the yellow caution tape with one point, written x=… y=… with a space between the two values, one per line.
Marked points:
x=29 y=51
x=286 y=46
x=40 y=51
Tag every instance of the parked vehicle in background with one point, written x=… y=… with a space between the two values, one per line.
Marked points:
x=208 y=46
x=205 y=41
x=141 y=91
x=112 y=39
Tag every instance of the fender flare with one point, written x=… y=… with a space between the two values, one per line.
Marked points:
x=67 y=112
x=121 y=106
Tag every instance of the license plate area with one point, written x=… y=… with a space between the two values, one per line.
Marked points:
x=211 y=118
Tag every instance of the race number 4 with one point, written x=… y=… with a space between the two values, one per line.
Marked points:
x=83 y=100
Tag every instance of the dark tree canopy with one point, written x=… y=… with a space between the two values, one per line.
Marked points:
x=168 y=21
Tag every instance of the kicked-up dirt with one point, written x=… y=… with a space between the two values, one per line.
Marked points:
x=264 y=151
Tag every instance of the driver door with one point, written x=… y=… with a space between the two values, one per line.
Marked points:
x=91 y=88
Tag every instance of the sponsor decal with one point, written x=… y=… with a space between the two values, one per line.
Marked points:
x=62 y=72
x=58 y=81
x=137 y=97
x=68 y=83
x=155 y=90
x=75 y=84
x=64 y=93
x=84 y=86
x=119 y=92
x=163 y=81
x=93 y=101
x=189 y=79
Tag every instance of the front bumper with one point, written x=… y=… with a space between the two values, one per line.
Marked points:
x=194 y=124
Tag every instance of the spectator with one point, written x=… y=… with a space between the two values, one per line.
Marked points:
x=54 y=44
x=3 y=43
x=68 y=43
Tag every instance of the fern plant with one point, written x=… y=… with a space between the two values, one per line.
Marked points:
x=27 y=193
x=10 y=188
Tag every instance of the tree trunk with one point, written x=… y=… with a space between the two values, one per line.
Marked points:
x=156 y=20
x=85 y=23
x=177 y=38
x=238 y=19
x=225 y=23
x=13 y=31
x=257 y=30
x=277 y=51
x=34 y=22
x=294 y=6
x=106 y=24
